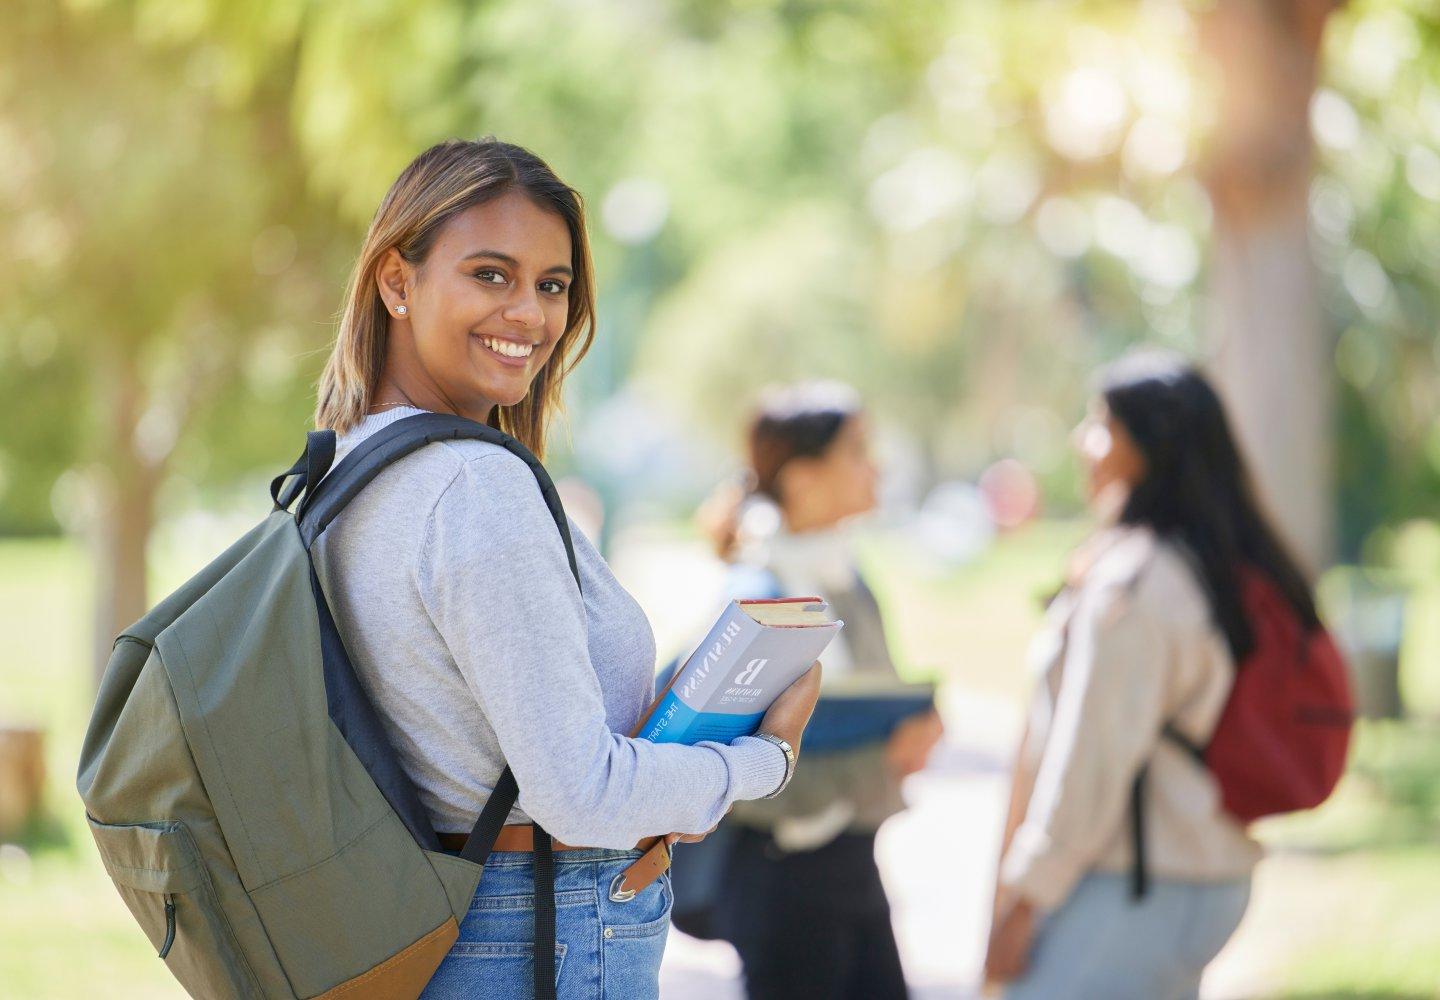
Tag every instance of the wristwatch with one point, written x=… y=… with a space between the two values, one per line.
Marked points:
x=789 y=753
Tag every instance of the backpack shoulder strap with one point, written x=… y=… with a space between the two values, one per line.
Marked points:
x=399 y=439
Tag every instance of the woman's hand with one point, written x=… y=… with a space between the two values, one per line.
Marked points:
x=910 y=744
x=790 y=712
x=1011 y=936
x=786 y=718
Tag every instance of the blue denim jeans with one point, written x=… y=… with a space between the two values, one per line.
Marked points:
x=603 y=950
x=1100 y=944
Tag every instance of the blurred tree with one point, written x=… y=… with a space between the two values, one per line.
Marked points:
x=978 y=237
x=154 y=240
x=1271 y=345
x=1062 y=181
x=1375 y=214
x=959 y=207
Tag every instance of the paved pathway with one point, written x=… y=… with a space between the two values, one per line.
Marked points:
x=936 y=859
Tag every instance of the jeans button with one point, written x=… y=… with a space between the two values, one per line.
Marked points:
x=609 y=932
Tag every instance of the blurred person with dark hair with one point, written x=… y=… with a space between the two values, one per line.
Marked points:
x=1143 y=638
x=799 y=894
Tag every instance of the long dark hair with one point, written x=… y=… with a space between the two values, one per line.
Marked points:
x=790 y=421
x=1196 y=488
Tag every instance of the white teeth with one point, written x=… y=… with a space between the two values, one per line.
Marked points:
x=507 y=348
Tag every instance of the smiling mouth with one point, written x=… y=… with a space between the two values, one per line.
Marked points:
x=508 y=350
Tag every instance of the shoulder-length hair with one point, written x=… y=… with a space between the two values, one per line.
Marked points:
x=439 y=184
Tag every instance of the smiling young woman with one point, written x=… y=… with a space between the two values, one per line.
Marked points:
x=474 y=275
x=457 y=600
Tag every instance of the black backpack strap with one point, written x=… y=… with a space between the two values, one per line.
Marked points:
x=401 y=438
x=544 y=861
x=310 y=468
x=1195 y=750
x=487 y=828
x=353 y=713
x=1139 y=870
x=477 y=849
x=1139 y=873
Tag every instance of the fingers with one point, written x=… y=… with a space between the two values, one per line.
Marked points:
x=790 y=712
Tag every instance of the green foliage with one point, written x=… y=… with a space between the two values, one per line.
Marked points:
x=1375 y=212
x=158 y=236
x=930 y=260
x=962 y=208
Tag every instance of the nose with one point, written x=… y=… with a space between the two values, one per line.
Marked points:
x=524 y=310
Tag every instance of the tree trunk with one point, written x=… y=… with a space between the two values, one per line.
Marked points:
x=22 y=779
x=1271 y=349
x=126 y=509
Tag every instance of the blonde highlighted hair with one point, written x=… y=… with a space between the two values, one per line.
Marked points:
x=439 y=184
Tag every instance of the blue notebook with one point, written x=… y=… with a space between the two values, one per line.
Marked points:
x=847 y=718
x=755 y=650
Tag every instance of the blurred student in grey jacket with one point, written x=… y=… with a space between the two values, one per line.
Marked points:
x=800 y=896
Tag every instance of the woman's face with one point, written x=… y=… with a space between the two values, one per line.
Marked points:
x=1113 y=463
x=484 y=311
x=841 y=483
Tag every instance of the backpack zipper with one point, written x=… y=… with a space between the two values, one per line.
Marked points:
x=169 y=924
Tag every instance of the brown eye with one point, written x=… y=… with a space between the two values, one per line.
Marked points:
x=552 y=287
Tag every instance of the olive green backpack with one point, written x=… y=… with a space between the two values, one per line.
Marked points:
x=242 y=792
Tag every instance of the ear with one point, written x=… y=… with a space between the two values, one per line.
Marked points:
x=394 y=278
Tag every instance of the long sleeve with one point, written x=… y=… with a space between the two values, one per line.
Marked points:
x=1107 y=717
x=494 y=579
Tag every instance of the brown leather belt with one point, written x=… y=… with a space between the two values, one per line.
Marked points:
x=643 y=871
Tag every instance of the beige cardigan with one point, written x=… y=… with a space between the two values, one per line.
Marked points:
x=1129 y=649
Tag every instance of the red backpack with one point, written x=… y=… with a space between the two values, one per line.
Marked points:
x=1281 y=741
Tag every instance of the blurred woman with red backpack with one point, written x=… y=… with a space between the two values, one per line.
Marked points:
x=1186 y=687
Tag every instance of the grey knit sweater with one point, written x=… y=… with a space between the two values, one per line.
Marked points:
x=450 y=586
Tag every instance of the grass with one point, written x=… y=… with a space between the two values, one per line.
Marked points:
x=1362 y=885
x=1385 y=945
x=1348 y=905
x=64 y=927
x=971 y=624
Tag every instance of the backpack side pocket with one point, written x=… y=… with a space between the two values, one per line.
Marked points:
x=162 y=879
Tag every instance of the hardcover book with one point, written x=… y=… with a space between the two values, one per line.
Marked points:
x=755 y=650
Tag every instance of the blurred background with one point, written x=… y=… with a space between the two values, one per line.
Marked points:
x=960 y=208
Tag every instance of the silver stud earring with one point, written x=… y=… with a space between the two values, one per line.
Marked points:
x=401 y=310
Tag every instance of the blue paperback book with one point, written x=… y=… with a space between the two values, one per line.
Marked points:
x=755 y=650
